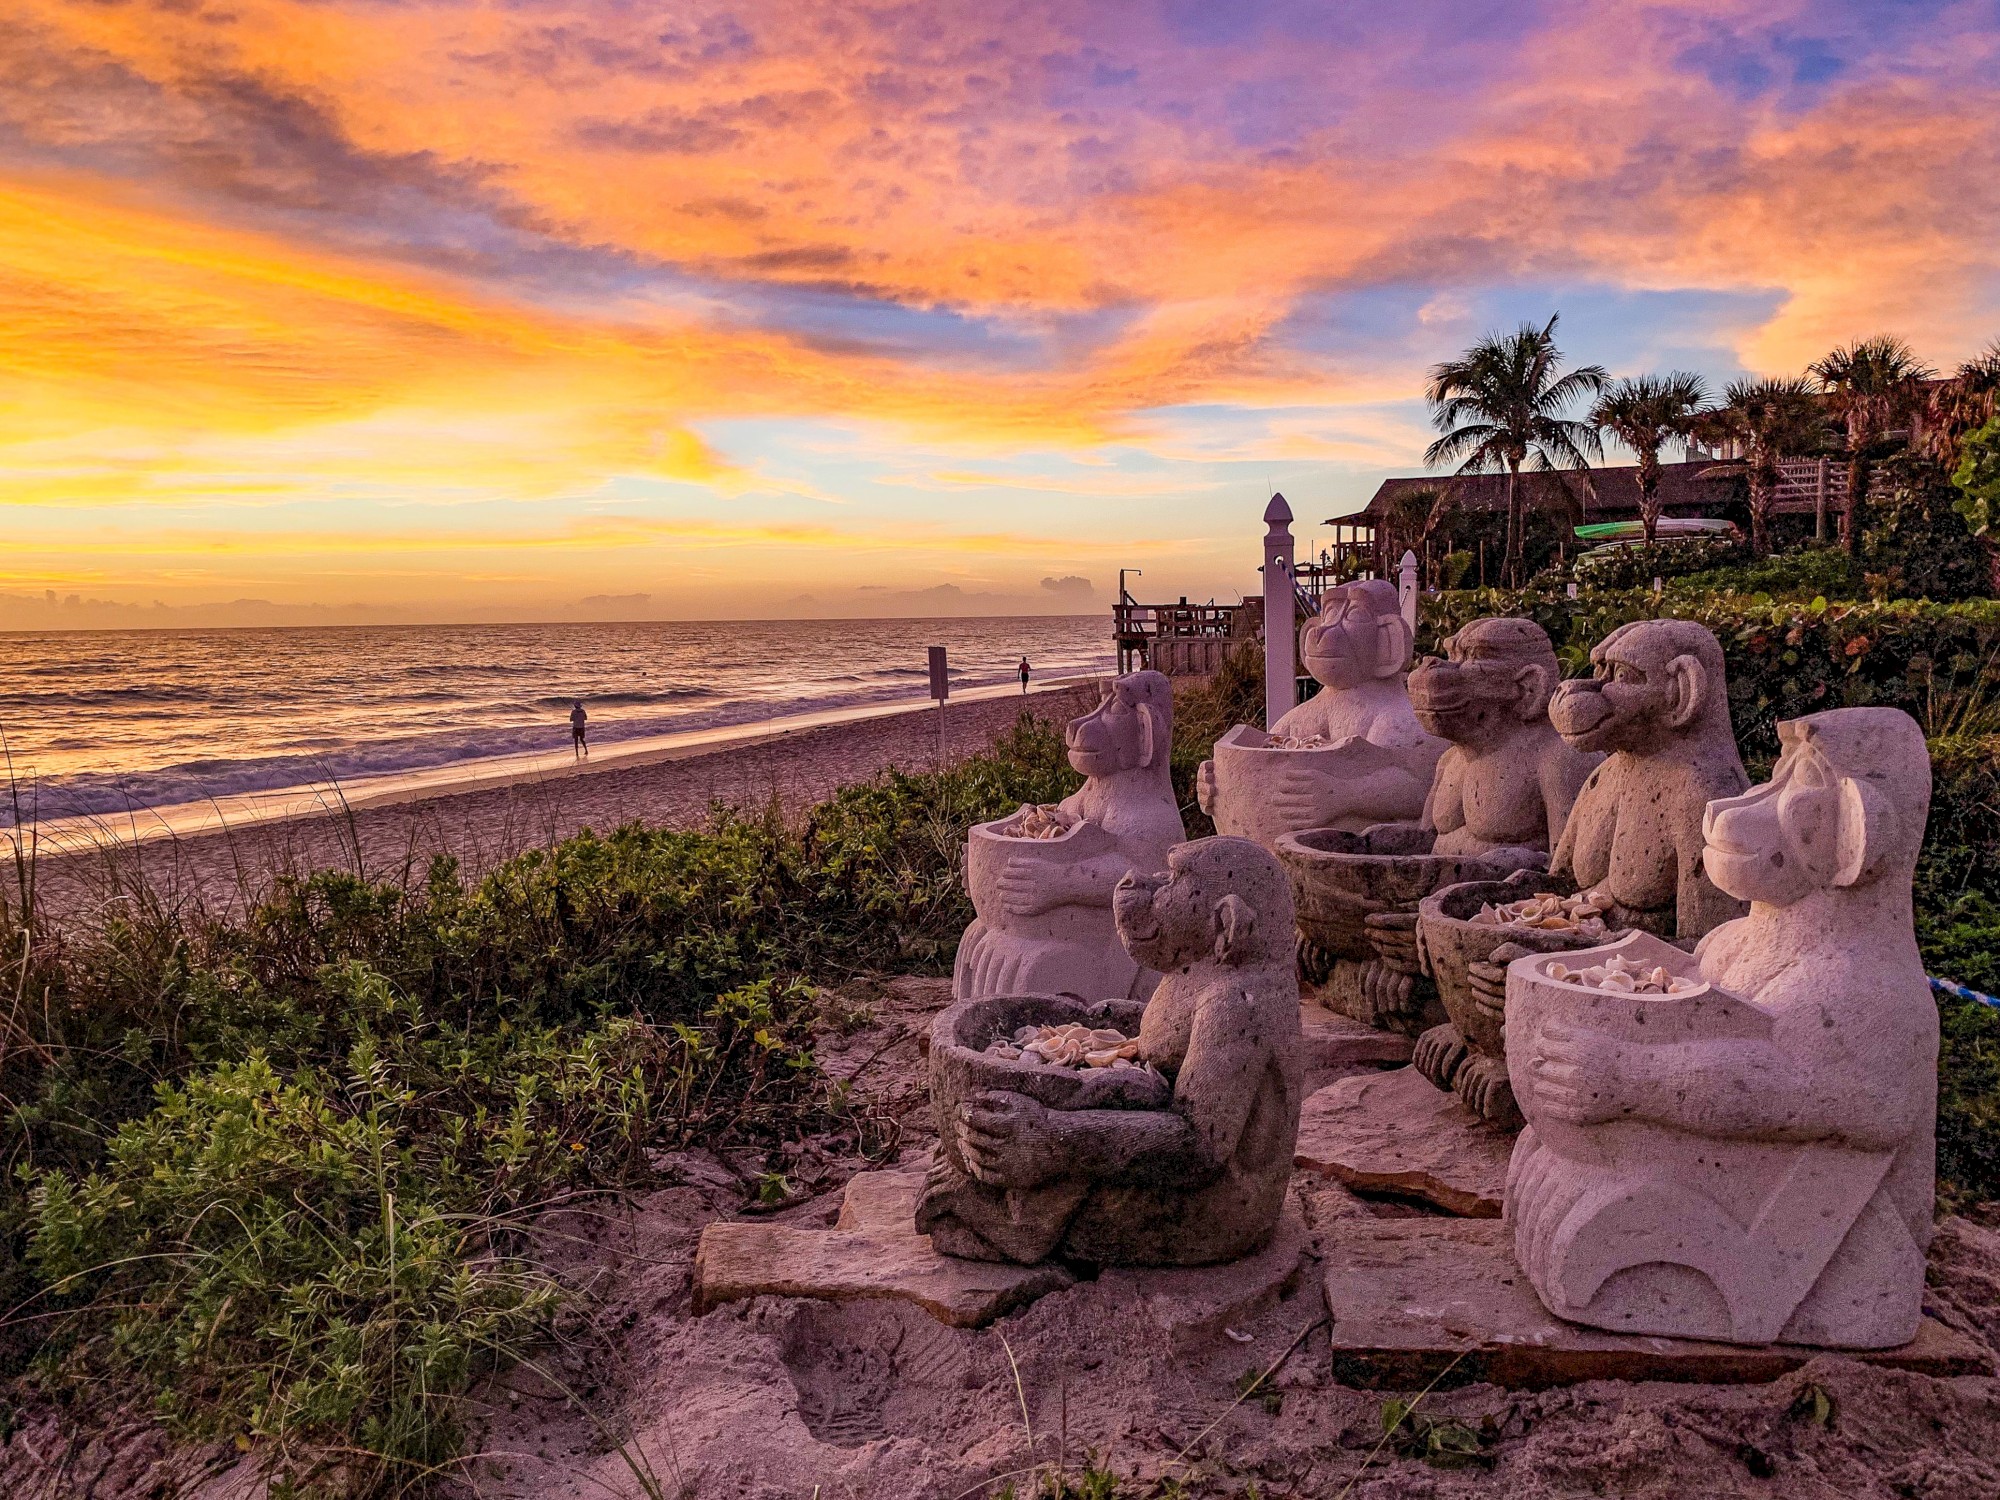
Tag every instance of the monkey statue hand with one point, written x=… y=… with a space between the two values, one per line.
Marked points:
x=1204 y=787
x=1029 y=887
x=1393 y=936
x=1488 y=981
x=1009 y=1140
x=1582 y=1077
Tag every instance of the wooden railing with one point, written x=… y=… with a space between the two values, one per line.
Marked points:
x=1818 y=486
x=1140 y=628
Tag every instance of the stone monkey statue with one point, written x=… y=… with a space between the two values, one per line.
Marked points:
x=1765 y=1167
x=1044 y=922
x=1200 y=1181
x=1377 y=762
x=1658 y=704
x=1505 y=788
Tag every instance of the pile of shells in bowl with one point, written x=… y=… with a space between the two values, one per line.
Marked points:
x=1043 y=820
x=1297 y=742
x=1547 y=912
x=1073 y=1045
x=1625 y=976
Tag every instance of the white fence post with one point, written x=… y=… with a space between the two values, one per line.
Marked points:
x=1406 y=589
x=1280 y=635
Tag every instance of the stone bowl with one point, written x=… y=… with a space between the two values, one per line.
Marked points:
x=1248 y=768
x=1340 y=879
x=960 y=1066
x=989 y=847
x=1450 y=942
x=1535 y=1001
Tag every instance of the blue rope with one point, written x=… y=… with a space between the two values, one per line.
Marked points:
x=1954 y=988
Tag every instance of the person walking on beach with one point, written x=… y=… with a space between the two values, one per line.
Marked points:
x=1024 y=676
x=578 y=727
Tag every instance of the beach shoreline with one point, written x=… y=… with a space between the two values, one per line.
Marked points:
x=481 y=820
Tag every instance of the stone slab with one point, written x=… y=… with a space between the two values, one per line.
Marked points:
x=1334 y=1041
x=873 y=1251
x=1411 y=1296
x=1396 y=1132
x=1192 y=1305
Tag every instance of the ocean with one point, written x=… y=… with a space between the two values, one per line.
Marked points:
x=102 y=723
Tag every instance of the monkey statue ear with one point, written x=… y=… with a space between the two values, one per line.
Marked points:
x=1687 y=691
x=1235 y=925
x=1864 y=834
x=1533 y=687
x=1148 y=734
x=1393 y=644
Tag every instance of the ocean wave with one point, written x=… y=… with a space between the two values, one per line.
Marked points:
x=186 y=718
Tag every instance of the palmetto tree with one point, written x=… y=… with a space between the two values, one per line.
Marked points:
x=1500 y=407
x=1768 y=421
x=1872 y=387
x=1968 y=400
x=1646 y=413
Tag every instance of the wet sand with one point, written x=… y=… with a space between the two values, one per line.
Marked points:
x=396 y=840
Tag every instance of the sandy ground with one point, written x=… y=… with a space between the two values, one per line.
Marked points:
x=782 y=1399
x=792 y=771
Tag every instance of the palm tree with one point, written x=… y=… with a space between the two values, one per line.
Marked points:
x=1500 y=406
x=1646 y=413
x=1965 y=402
x=1767 y=421
x=1872 y=386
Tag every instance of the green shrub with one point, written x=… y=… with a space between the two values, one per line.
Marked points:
x=1813 y=571
x=1636 y=565
x=1938 y=662
x=1977 y=479
x=1958 y=930
x=1915 y=542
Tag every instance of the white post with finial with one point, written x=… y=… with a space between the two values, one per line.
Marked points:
x=1406 y=589
x=1280 y=635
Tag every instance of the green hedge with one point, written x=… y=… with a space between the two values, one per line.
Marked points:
x=1938 y=662
x=1958 y=929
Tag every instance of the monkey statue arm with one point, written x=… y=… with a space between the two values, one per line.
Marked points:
x=1563 y=773
x=1013 y=1141
x=1726 y=1087
x=1306 y=798
x=1028 y=887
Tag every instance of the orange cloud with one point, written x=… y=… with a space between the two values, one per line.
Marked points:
x=325 y=253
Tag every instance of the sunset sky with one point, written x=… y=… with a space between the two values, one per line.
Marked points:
x=433 y=310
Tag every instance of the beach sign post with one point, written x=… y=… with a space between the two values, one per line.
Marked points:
x=940 y=690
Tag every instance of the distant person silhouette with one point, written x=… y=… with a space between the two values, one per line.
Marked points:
x=1024 y=674
x=578 y=728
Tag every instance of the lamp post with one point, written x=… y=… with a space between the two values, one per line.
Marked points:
x=1280 y=638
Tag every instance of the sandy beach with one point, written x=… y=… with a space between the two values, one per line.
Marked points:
x=395 y=838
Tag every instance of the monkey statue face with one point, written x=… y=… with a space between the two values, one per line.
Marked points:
x=1129 y=730
x=1651 y=681
x=1844 y=806
x=1496 y=675
x=1221 y=898
x=1358 y=635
